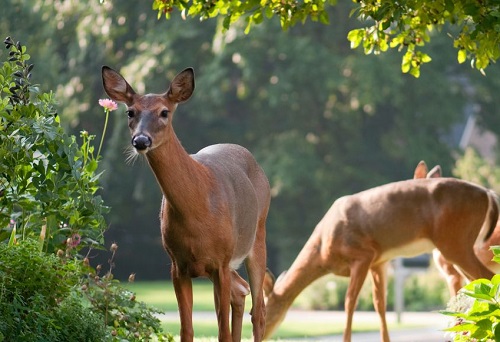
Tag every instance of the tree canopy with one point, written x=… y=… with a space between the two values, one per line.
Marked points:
x=403 y=25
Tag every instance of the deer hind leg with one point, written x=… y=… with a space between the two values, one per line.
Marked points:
x=359 y=271
x=256 y=269
x=222 y=296
x=378 y=273
x=239 y=290
x=466 y=261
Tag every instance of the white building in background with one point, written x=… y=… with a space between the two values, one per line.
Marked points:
x=484 y=141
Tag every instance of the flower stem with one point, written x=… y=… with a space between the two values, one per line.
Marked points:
x=103 y=133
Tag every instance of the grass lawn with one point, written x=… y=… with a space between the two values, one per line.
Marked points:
x=160 y=294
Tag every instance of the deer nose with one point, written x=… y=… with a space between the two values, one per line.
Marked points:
x=141 y=142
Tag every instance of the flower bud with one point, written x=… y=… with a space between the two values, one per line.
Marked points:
x=113 y=247
x=131 y=277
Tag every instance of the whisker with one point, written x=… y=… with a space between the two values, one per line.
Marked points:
x=131 y=155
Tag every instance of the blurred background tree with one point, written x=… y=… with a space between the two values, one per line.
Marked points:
x=322 y=119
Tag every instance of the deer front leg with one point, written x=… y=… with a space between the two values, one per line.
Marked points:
x=378 y=273
x=359 y=270
x=222 y=296
x=184 y=292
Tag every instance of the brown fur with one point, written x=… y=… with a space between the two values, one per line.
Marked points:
x=362 y=232
x=213 y=211
x=454 y=278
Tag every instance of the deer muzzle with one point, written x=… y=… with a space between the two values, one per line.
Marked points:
x=141 y=142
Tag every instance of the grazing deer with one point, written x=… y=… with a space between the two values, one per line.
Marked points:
x=454 y=279
x=213 y=211
x=362 y=232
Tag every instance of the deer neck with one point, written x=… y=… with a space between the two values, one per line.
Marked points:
x=182 y=180
x=306 y=268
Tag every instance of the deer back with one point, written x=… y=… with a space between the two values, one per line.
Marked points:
x=404 y=218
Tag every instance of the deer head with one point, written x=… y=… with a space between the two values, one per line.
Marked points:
x=149 y=114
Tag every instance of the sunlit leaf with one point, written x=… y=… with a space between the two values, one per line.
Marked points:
x=462 y=56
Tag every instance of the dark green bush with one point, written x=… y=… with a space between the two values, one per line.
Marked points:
x=37 y=298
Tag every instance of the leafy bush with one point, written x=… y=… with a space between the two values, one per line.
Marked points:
x=37 y=301
x=126 y=318
x=477 y=309
x=48 y=183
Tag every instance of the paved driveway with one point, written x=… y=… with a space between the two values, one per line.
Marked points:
x=431 y=324
x=430 y=330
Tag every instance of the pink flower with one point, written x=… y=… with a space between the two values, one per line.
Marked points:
x=75 y=240
x=108 y=104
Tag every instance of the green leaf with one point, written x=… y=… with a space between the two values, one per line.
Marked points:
x=355 y=37
x=406 y=64
x=496 y=279
x=425 y=58
x=461 y=56
x=415 y=72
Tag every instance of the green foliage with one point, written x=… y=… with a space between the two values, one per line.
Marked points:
x=254 y=11
x=125 y=317
x=408 y=26
x=48 y=183
x=37 y=298
x=405 y=25
x=470 y=166
x=477 y=315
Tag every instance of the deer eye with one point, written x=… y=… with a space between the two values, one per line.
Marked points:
x=164 y=113
x=130 y=113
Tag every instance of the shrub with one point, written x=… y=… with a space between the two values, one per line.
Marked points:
x=48 y=183
x=37 y=301
x=476 y=309
x=126 y=318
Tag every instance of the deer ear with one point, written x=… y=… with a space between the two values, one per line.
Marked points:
x=116 y=86
x=435 y=172
x=420 y=170
x=182 y=86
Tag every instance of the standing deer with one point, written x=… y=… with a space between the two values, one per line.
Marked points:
x=362 y=232
x=452 y=275
x=213 y=211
